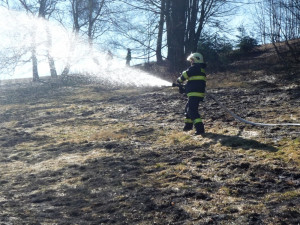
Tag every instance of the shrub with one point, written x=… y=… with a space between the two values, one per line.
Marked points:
x=215 y=50
x=247 y=44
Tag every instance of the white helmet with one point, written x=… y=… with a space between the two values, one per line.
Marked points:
x=196 y=57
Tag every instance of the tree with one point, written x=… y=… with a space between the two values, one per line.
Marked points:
x=175 y=22
x=136 y=23
x=179 y=25
x=41 y=9
x=90 y=20
x=46 y=8
x=247 y=44
x=15 y=45
x=160 y=31
x=278 y=19
x=186 y=20
x=34 y=60
x=279 y=23
x=215 y=50
x=89 y=17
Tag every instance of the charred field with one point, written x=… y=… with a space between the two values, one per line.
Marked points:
x=88 y=154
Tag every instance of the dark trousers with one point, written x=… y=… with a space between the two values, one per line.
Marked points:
x=191 y=108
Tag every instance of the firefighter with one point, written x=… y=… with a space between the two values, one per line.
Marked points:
x=195 y=78
x=128 y=57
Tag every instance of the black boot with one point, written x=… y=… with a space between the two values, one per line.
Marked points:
x=188 y=126
x=199 y=129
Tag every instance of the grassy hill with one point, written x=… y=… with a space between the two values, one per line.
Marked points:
x=91 y=154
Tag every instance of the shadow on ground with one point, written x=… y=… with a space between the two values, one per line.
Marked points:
x=238 y=142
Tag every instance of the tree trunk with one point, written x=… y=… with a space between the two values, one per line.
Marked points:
x=199 y=12
x=66 y=70
x=34 y=65
x=51 y=62
x=176 y=32
x=76 y=28
x=35 y=73
x=160 y=31
x=191 y=26
x=52 y=66
x=90 y=23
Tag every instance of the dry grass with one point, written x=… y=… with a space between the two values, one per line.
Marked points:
x=118 y=156
x=289 y=151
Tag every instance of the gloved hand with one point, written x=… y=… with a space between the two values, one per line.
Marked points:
x=181 y=89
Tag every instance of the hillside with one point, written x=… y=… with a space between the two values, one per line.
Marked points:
x=91 y=154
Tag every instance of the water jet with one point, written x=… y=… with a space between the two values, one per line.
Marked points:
x=21 y=31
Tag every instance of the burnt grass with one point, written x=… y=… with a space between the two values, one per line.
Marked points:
x=90 y=154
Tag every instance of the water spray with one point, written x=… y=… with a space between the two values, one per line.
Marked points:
x=182 y=90
x=66 y=49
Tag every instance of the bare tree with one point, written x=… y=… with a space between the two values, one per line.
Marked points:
x=4 y=3
x=90 y=20
x=186 y=20
x=179 y=25
x=41 y=9
x=279 y=22
x=204 y=13
x=136 y=25
x=160 y=31
x=90 y=17
x=176 y=22
x=46 y=8
x=51 y=61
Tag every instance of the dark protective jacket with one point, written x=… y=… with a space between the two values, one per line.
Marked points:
x=196 y=80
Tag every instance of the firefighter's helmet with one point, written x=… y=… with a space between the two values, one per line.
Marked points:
x=195 y=57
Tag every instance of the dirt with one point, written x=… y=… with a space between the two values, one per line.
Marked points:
x=88 y=154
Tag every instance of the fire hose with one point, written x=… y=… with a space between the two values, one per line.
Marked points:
x=182 y=90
